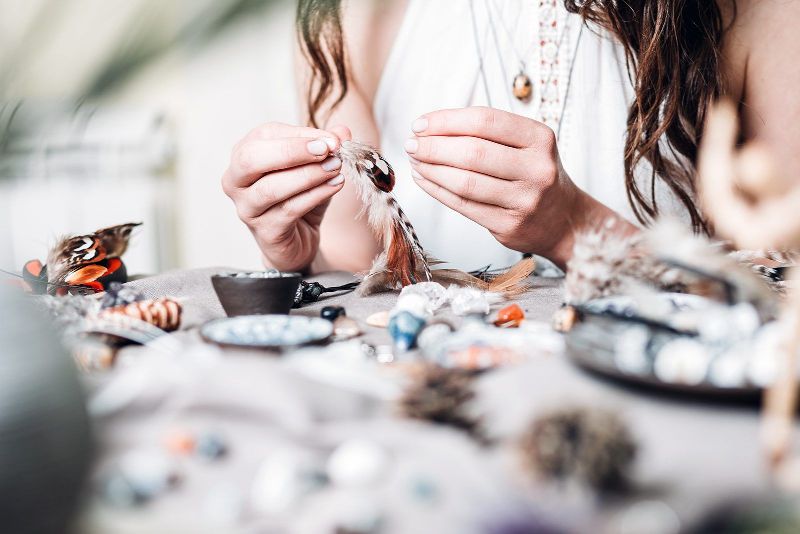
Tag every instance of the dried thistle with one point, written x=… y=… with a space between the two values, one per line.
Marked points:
x=441 y=395
x=588 y=445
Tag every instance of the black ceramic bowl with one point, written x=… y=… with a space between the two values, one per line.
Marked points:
x=250 y=294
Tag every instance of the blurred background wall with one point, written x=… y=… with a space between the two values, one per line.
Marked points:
x=126 y=110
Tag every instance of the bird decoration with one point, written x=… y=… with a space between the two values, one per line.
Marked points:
x=82 y=264
x=403 y=261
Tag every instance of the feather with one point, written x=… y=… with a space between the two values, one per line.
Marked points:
x=403 y=261
x=666 y=257
x=68 y=260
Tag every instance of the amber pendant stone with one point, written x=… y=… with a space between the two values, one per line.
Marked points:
x=522 y=87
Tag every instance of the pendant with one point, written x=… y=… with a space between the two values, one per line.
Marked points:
x=522 y=87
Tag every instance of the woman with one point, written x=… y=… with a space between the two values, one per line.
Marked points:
x=619 y=97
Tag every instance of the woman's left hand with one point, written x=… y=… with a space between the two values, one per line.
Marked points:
x=502 y=171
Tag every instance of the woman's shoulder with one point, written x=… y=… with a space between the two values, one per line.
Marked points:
x=757 y=31
x=370 y=28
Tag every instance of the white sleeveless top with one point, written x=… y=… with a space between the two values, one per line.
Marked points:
x=435 y=64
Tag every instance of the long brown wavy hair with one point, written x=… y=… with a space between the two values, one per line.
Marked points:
x=673 y=54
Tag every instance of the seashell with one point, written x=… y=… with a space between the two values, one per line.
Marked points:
x=162 y=313
x=379 y=319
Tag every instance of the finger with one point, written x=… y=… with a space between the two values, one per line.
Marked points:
x=278 y=187
x=488 y=123
x=482 y=214
x=278 y=130
x=258 y=157
x=342 y=132
x=468 y=184
x=469 y=153
x=300 y=205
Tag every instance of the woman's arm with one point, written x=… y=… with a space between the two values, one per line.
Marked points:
x=369 y=27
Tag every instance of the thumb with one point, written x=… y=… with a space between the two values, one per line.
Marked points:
x=342 y=132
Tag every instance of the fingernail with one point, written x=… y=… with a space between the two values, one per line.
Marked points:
x=417 y=176
x=318 y=147
x=336 y=180
x=411 y=145
x=330 y=142
x=419 y=125
x=413 y=160
x=331 y=164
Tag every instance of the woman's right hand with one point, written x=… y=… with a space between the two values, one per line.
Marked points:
x=281 y=179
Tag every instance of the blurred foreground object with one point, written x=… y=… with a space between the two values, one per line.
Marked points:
x=751 y=203
x=45 y=444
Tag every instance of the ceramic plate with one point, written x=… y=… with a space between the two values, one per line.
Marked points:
x=620 y=338
x=267 y=331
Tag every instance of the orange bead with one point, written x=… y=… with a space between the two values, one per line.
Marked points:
x=510 y=316
x=180 y=442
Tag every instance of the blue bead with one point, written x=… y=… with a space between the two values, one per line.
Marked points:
x=404 y=327
x=332 y=313
x=211 y=446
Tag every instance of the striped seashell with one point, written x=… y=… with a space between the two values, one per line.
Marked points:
x=163 y=313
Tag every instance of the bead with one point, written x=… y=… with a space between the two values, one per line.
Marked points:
x=148 y=473
x=468 y=301
x=415 y=303
x=345 y=328
x=564 y=319
x=331 y=313
x=180 y=442
x=379 y=319
x=432 y=334
x=404 y=327
x=682 y=361
x=211 y=446
x=357 y=463
x=522 y=87
x=510 y=317
x=435 y=293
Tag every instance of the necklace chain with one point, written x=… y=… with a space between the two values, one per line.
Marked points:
x=557 y=117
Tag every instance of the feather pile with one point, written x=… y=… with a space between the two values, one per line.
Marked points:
x=441 y=396
x=403 y=261
x=667 y=257
x=588 y=445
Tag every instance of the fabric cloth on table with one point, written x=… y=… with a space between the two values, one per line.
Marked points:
x=691 y=454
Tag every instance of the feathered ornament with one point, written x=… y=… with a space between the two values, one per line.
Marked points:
x=588 y=445
x=83 y=263
x=441 y=395
x=667 y=257
x=403 y=261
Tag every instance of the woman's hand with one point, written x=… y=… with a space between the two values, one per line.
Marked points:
x=502 y=171
x=281 y=179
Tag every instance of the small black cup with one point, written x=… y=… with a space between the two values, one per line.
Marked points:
x=245 y=295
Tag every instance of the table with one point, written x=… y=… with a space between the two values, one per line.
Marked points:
x=691 y=454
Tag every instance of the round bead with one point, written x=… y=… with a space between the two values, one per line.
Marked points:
x=331 y=313
x=522 y=87
x=211 y=446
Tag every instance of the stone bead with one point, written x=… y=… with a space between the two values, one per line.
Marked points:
x=345 y=328
x=564 y=319
x=510 y=317
x=211 y=446
x=357 y=463
x=522 y=87
x=404 y=327
x=332 y=313
x=468 y=301
x=180 y=442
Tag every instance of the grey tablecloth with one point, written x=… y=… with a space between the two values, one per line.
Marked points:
x=692 y=454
